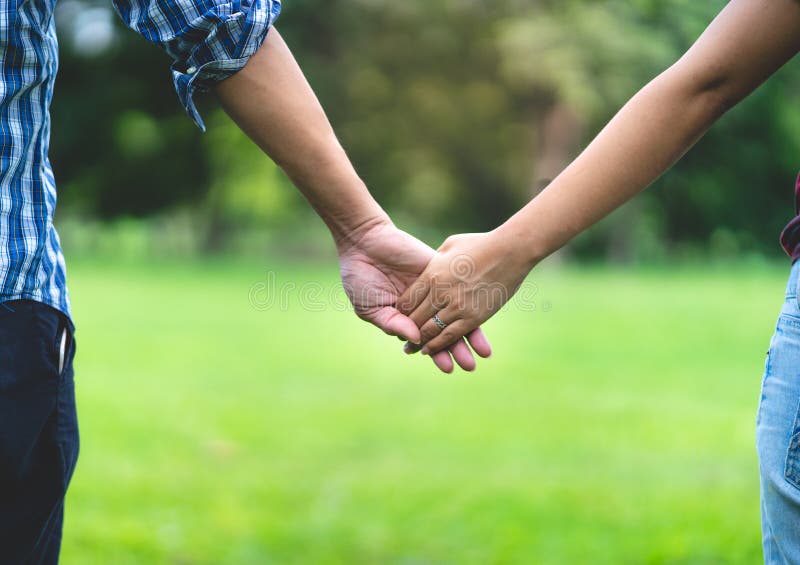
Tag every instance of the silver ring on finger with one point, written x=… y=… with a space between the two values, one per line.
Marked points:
x=438 y=321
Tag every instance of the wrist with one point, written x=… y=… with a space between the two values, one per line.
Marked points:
x=523 y=247
x=352 y=213
x=348 y=234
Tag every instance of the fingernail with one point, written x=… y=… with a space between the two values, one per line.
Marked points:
x=426 y=350
x=407 y=349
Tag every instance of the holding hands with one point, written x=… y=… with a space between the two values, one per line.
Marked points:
x=434 y=301
x=378 y=264
x=469 y=280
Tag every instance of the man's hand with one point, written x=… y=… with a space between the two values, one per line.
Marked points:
x=378 y=265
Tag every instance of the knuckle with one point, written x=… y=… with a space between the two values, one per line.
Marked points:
x=449 y=243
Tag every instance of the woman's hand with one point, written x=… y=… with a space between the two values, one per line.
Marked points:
x=468 y=281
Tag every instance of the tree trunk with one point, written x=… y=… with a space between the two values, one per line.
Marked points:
x=558 y=140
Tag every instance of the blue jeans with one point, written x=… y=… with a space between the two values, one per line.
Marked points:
x=38 y=430
x=778 y=435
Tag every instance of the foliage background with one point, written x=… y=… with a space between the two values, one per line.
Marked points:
x=455 y=112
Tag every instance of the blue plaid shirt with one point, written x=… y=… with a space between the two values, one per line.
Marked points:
x=208 y=41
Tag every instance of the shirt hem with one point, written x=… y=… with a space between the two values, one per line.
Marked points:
x=36 y=297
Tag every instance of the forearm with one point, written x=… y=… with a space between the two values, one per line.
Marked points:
x=746 y=44
x=273 y=103
x=643 y=140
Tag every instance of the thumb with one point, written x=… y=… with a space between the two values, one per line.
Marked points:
x=391 y=321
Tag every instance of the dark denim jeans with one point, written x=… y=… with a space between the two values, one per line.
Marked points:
x=38 y=430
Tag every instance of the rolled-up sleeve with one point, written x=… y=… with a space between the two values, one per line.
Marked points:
x=208 y=40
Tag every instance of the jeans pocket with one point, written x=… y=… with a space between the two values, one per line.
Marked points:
x=57 y=341
x=64 y=349
x=792 y=469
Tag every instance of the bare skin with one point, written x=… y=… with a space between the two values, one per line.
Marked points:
x=747 y=43
x=273 y=103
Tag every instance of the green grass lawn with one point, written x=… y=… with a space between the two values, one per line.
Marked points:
x=614 y=424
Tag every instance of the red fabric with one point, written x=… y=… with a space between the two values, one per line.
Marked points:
x=790 y=237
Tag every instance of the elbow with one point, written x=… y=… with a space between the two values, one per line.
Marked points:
x=719 y=98
x=714 y=102
x=712 y=91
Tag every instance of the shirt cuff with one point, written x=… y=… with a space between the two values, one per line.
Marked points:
x=226 y=50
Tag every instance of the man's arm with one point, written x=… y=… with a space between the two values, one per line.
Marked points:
x=239 y=53
x=748 y=42
x=273 y=103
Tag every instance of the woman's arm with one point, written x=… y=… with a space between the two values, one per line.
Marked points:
x=748 y=42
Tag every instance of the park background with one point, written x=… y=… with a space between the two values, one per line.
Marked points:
x=614 y=424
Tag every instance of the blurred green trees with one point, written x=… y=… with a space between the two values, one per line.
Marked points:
x=455 y=112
